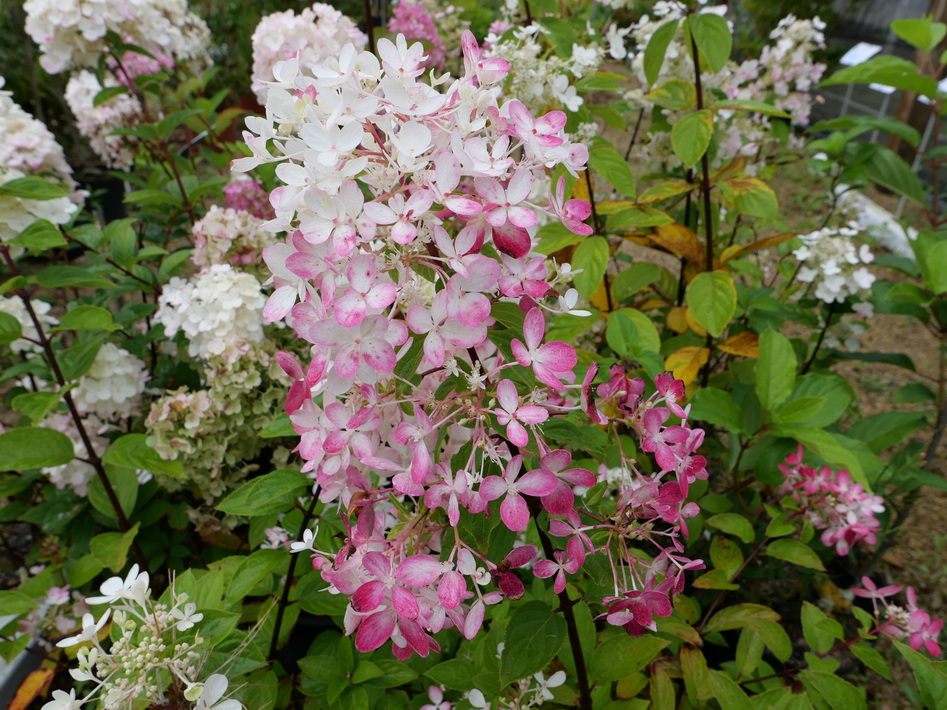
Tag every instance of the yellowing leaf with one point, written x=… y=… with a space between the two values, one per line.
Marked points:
x=664 y=190
x=599 y=299
x=686 y=362
x=580 y=190
x=30 y=688
x=694 y=325
x=679 y=240
x=736 y=250
x=745 y=344
x=609 y=207
x=677 y=319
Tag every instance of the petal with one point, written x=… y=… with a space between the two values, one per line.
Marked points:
x=404 y=603
x=419 y=570
x=514 y=513
x=537 y=483
x=374 y=631
x=369 y=596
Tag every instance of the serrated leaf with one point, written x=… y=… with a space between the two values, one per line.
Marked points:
x=272 y=493
x=712 y=36
x=775 y=370
x=733 y=524
x=41 y=234
x=132 y=451
x=712 y=299
x=591 y=257
x=31 y=188
x=24 y=448
x=86 y=318
x=690 y=136
x=619 y=656
x=656 y=49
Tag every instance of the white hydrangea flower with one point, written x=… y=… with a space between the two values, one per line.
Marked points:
x=76 y=474
x=28 y=149
x=112 y=386
x=229 y=235
x=13 y=305
x=97 y=123
x=834 y=264
x=220 y=311
x=71 y=33
x=315 y=34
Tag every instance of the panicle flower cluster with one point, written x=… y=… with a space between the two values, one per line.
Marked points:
x=833 y=503
x=113 y=386
x=72 y=33
x=785 y=71
x=13 y=305
x=527 y=693
x=155 y=654
x=28 y=149
x=230 y=236
x=56 y=614
x=245 y=194
x=219 y=310
x=901 y=622
x=389 y=183
x=76 y=474
x=830 y=259
x=97 y=123
x=214 y=431
x=416 y=21
x=313 y=35
x=540 y=79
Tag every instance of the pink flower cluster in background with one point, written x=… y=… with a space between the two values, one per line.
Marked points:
x=901 y=622
x=833 y=503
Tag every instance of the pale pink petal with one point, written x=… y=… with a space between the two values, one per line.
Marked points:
x=419 y=570
x=492 y=487
x=537 y=483
x=514 y=513
x=532 y=414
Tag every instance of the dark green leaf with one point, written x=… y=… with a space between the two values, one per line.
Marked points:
x=41 y=234
x=273 y=493
x=775 y=370
x=24 y=448
x=132 y=451
x=31 y=188
x=533 y=637
x=656 y=49
x=622 y=655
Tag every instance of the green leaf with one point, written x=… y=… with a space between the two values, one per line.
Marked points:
x=14 y=603
x=725 y=554
x=631 y=334
x=612 y=166
x=41 y=234
x=887 y=429
x=887 y=70
x=733 y=524
x=107 y=93
x=172 y=262
x=760 y=107
x=712 y=300
x=920 y=32
x=690 y=136
x=696 y=679
x=726 y=690
x=125 y=485
x=533 y=637
x=592 y=257
x=36 y=405
x=638 y=218
x=24 y=448
x=254 y=569
x=83 y=570
x=738 y=616
x=829 y=447
x=674 y=94
x=836 y=692
x=869 y=655
x=111 y=548
x=454 y=674
x=774 y=636
x=555 y=236
x=10 y=328
x=273 y=493
x=796 y=552
x=560 y=33
x=890 y=170
x=797 y=410
x=74 y=362
x=935 y=263
x=715 y=406
x=122 y=240
x=279 y=427
x=31 y=188
x=818 y=639
x=132 y=451
x=620 y=655
x=69 y=276
x=633 y=279
x=712 y=36
x=775 y=370
x=364 y=671
x=854 y=125
x=656 y=49
x=931 y=678
x=87 y=318
x=395 y=673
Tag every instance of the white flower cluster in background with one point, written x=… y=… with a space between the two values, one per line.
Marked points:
x=77 y=473
x=13 y=305
x=28 y=149
x=229 y=235
x=71 y=33
x=316 y=33
x=112 y=387
x=97 y=123
x=542 y=80
x=220 y=310
x=155 y=650
x=832 y=262
x=783 y=75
